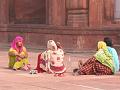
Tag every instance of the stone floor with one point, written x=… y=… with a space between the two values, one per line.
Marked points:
x=21 y=80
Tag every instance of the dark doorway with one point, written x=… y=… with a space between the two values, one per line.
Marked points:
x=28 y=11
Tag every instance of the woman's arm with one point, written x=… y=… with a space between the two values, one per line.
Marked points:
x=12 y=52
x=24 y=53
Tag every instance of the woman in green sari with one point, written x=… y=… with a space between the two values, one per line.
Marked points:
x=18 y=56
x=100 y=64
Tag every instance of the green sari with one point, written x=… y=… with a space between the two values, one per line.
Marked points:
x=13 y=62
x=105 y=58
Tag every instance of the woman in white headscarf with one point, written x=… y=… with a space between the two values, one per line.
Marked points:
x=51 y=60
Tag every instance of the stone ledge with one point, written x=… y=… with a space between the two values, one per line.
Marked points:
x=64 y=30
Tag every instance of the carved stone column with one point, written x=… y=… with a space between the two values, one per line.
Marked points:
x=56 y=12
x=96 y=12
x=4 y=11
x=4 y=20
x=109 y=7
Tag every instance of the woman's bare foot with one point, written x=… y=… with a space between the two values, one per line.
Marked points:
x=25 y=68
x=61 y=75
x=55 y=75
x=29 y=67
x=75 y=71
x=14 y=69
x=80 y=63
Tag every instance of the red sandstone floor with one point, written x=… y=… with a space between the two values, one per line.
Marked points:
x=21 y=80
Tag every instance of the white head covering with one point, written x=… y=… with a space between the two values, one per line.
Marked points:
x=51 y=45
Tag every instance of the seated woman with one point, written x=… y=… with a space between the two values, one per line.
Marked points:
x=18 y=56
x=51 y=60
x=100 y=64
x=113 y=52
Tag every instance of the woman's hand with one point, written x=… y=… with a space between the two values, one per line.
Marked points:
x=18 y=59
x=22 y=56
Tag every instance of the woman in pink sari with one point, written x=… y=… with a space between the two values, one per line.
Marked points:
x=18 y=56
x=51 y=60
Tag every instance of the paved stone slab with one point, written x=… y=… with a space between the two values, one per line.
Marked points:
x=22 y=80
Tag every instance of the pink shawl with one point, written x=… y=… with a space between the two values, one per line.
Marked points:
x=13 y=44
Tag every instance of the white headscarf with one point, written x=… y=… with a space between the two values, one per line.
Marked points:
x=51 y=45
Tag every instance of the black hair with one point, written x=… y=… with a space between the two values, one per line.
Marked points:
x=59 y=45
x=108 y=41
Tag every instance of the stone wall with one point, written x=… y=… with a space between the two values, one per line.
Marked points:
x=77 y=24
